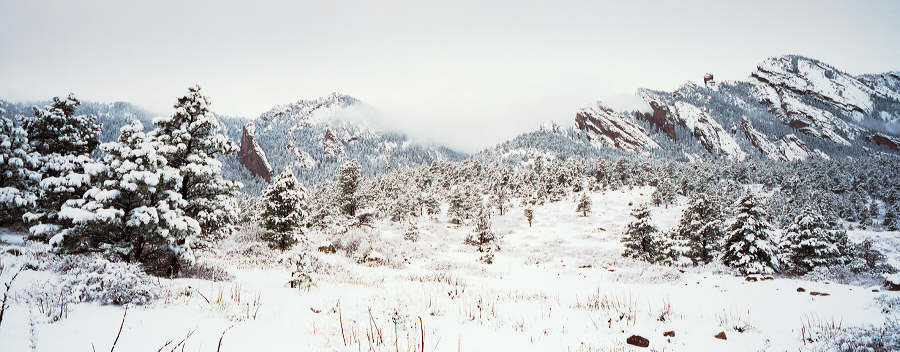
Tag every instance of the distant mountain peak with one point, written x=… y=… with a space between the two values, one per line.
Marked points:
x=310 y=110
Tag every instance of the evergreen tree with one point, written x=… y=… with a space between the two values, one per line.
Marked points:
x=412 y=230
x=701 y=228
x=810 y=243
x=640 y=237
x=529 y=215
x=133 y=206
x=55 y=129
x=194 y=133
x=483 y=236
x=584 y=204
x=284 y=211
x=748 y=245
x=64 y=142
x=891 y=218
x=459 y=209
x=348 y=183
x=18 y=177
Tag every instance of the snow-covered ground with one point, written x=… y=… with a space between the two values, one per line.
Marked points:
x=559 y=285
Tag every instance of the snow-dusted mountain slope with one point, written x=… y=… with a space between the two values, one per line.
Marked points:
x=315 y=136
x=790 y=108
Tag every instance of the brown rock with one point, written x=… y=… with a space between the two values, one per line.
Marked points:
x=15 y=252
x=751 y=279
x=662 y=118
x=886 y=141
x=327 y=249
x=252 y=155
x=721 y=336
x=767 y=278
x=638 y=341
x=670 y=333
x=801 y=289
x=814 y=293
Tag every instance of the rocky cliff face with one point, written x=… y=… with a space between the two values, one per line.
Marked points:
x=790 y=108
x=252 y=155
x=605 y=126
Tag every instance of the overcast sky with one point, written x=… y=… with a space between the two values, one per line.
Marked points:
x=465 y=73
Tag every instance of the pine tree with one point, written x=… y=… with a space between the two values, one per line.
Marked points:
x=348 y=183
x=701 y=228
x=195 y=134
x=412 y=230
x=748 y=245
x=483 y=236
x=584 y=204
x=459 y=205
x=810 y=243
x=284 y=211
x=640 y=237
x=133 y=206
x=18 y=178
x=56 y=129
x=529 y=215
x=892 y=217
x=64 y=142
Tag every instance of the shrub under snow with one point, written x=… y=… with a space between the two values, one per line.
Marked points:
x=95 y=279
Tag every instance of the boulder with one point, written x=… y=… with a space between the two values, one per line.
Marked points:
x=670 y=333
x=721 y=336
x=639 y=341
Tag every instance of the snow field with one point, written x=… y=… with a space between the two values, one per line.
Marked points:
x=558 y=285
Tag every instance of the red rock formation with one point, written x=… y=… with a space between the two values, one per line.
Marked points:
x=252 y=155
x=662 y=118
x=886 y=141
x=613 y=129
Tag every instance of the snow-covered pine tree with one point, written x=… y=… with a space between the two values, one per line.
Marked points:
x=529 y=215
x=748 y=246
x=412 y=230
x=64 y=142
x=892 y=217
x=809 y=243
x=195 y=134
x=18 y=177
x=133 y=206
x=584 y=204
x=459 y=205
x=640 y=237
x=284 y=213
x=348 y=184
x=483 y=236
x=500 y=199
x=664 y=194
x=701 y=228
x=56 y=129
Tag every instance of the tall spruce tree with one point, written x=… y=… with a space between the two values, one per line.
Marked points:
x=584 y=204
x=483 y=236
x=348 y=184
x=810 y=242
x=133 y=206
x=18 y=175
x=748 y=244
x=701 y=228
x=641 y=237
x=284 y=212
x=64 y=142
x=194 y=133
